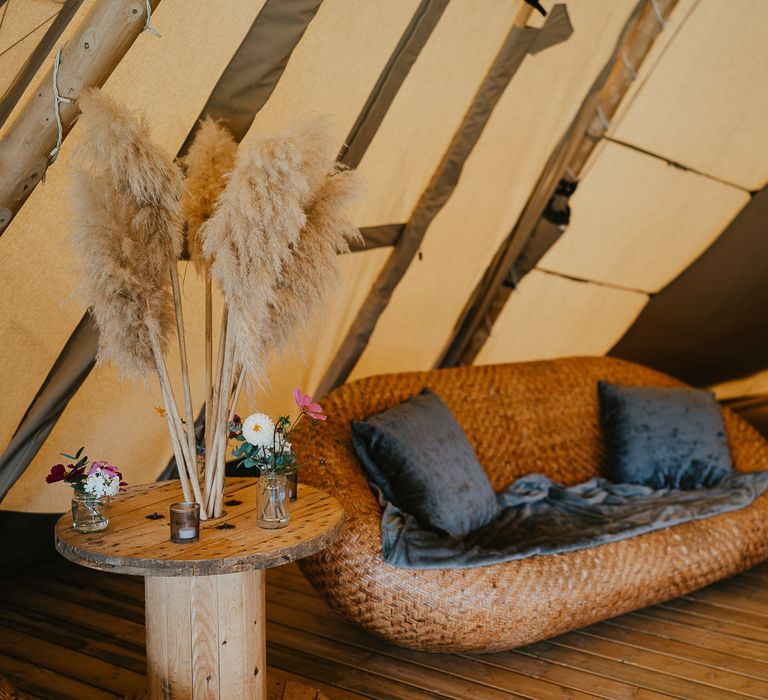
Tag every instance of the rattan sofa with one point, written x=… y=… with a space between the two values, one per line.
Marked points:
x=520 y=418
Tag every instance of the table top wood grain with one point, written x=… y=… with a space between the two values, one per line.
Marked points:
x=138 y=543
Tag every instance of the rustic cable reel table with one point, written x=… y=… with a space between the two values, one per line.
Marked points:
x=204 y=600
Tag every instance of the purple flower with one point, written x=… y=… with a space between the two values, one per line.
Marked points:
x=106 y=467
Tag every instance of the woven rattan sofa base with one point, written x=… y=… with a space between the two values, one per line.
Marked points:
x=7 y=691
x=520 y=418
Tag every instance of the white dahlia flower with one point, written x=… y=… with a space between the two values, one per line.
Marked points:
x=102 y=484
x=259 y=430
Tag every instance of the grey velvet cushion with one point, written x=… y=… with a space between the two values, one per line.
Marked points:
x=418 y=456
x=664 y=437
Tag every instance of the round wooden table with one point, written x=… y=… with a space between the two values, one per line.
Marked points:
x=204 y=600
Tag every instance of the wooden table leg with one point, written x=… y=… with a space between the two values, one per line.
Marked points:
x=206 y=637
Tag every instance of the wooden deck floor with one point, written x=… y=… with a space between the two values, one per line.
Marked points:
x=70 y=633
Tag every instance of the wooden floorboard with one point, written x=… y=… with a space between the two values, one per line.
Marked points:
x=69 y=633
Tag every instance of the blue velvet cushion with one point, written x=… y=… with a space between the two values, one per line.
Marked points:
x=420 y=459
x=664 y=437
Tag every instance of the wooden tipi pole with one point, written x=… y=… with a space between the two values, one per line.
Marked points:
x=87 y=60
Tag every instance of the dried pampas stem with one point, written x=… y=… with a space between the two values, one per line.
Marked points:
x=210 y=499
x=175 y=442
x=240 y=374
x=272 y=241
x=189 y=415
x=212 y=431
x=168 y=404
x=188 y=467
x=209 y=161
x=208 y=354
x=221 y=422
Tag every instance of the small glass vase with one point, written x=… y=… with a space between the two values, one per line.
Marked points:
x=292 y=477
x=89 y=513
x=272 y=507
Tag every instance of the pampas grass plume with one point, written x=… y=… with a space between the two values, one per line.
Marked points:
x=312 y=271
x=127 y=231
x=209 y=161
x=257 y=223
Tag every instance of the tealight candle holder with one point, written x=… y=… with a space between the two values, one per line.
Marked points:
x=185 y=522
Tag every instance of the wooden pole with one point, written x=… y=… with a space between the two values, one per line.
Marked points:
x=523 y=13
x=87 y=60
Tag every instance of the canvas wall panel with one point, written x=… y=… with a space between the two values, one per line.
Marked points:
x=705 y=104
x=170 y=84
x=549 y=316
x=21 y=19
x=527 y=123
x=637 y=221
x=334 y=67
x=429 y=106
x=23 y=25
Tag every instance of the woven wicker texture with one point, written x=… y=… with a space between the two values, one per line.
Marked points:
x=7 y=691
x=520 y=418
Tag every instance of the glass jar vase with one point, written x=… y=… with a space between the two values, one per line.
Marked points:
x=272 y=507
x=89 y=513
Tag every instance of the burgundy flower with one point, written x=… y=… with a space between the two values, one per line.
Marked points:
x=235 y=427
x=58 y=472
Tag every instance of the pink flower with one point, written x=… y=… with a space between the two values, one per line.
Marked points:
x=105 y=467
x=306 y=405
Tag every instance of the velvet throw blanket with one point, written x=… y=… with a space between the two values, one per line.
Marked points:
x=540 y=517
